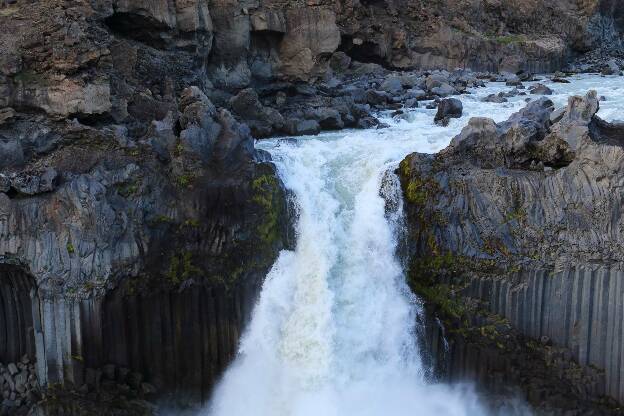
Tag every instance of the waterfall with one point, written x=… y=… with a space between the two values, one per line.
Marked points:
x=333 y=333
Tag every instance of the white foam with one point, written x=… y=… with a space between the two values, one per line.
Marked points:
x=334 y=330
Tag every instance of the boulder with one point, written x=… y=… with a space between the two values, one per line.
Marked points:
x=262 y=120
x=301 y=127
x=540 y=89
x=378 y=98
x=328 y=118
x=444 y=90
x=339 y=62
x=392 y=85
x=494 y=98
x=611 y=68
x=447 y=109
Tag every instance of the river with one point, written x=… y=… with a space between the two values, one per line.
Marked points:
x=334 y=332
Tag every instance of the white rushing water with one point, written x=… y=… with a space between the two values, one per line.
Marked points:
x=333 y=333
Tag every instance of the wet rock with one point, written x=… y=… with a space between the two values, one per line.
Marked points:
x=328 y=118
x=540 y=89
x=339 y=61
x=302 y=127
x=392 y=85
x=444 y=90
x=447 y=109
x=611 y=68
x=367 y=123
x=560 y=80
x=377 y=98
x=492 y=181
x=495 y=98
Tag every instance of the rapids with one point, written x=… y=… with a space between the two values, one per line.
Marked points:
x=334 y=332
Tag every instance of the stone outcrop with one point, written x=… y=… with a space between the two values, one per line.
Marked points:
x=523 y=218
x=18 y=385
x=170 y=234
x=133 y=204
x=501 y=35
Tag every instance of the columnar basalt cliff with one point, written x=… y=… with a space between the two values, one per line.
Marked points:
x=137 y=220
x=522 y=219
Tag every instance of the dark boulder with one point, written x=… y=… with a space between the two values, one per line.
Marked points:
x=447 y=109
x=540 y=89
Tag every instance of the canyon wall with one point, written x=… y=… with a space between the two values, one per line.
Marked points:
x=522 y=219
x=131 y=195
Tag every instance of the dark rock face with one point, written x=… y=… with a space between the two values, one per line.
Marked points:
x=124 y=187
x=130 y=190
x=489 y=36
x=447 y=109
x=518 y=218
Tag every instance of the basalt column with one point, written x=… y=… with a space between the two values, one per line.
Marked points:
x=16 y=318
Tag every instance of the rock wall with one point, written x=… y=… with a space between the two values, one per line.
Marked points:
x=126 y=182
x=523 y=219
x=580 y=309
x=100 y=228
x=492 y=35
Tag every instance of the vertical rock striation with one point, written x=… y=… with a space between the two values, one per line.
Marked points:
x=524 y=219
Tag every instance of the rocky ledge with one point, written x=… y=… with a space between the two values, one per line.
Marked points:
x=516 y=242
x=144 y=254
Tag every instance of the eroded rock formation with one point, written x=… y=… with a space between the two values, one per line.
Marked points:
x=133 y=204
x=523 y=219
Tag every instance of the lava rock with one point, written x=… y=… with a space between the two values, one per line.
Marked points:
x=541 y=89
x=447 y=109
x=302 y=127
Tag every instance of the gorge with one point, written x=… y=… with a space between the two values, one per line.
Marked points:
x=190 y=186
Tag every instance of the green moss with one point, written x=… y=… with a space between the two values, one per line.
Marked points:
x=128 y=189
x=443 y=297
x=404 y=167
x=508 y=39
x=179 y=149
x=181 y=268
x=266 y=193
x=70 y=248
x=28 y=77
x=185 y=180
x=162 y=219
x=192 y=223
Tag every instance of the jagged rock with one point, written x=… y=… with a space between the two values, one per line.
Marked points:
x=392 y=85
x=447 y=109
x=302 y=127
x=262 y=120
x=541 y=89
x=339 y=61
x=6 y=114
x=521 y=247
x=5 y=183
x=573 y=126
x=495 y=98
x=33 y=183
x=611 y=68
x=444 y=90
x=328 y=118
